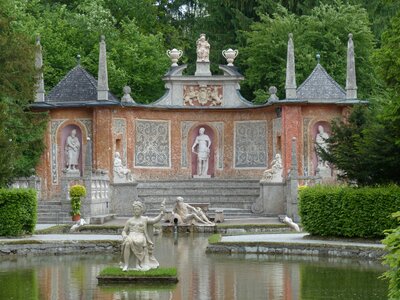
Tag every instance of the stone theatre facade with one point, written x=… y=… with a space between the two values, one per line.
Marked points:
x=156 y=142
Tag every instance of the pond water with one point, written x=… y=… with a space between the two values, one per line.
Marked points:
x=201 y=276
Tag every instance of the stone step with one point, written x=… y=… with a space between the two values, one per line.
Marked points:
x=198 y=183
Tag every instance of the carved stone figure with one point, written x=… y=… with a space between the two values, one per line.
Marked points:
x=121 y=172
x=190 y=95
x=320 y=140
x=214 y=95
x=186 y=214
x=203 y=143
x=72 y=147
x=274 y=174
x=203 y=49
x=136 y=240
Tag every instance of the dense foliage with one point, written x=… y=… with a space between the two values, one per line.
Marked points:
x=348 y=212
x=17 y=211
x=320 y=32
x=21 y=131
x=76 y=193
x=392 y=258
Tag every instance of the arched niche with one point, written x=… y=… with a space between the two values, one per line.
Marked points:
x=326 y=127
x=211 y=133
x=65 y=133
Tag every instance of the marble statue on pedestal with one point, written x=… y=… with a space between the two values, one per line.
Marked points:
x=187 y=214
x=136 y=241
x=72 y=147
x=121 y=172
x=203 y=143
x=274 y=174
x=203 y=49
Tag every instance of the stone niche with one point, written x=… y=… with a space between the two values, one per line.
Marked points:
x=324 y=169
x=66 y=132
x=193 y=133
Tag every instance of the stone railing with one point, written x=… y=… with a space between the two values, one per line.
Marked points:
x=32 y=182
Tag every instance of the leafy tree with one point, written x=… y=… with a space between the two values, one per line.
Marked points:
x=21 y=131
x=325 y=31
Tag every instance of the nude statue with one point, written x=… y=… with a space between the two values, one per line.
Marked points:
x=214 y=95
x=203 y=49
x=203 y=143
x=136 y=240
x=120 y=170
x=190 y=95
x=186 y=214
x=72 y=147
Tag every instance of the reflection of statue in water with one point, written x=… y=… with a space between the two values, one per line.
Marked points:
x=72 y=147
x=203 y=152
x=274 y=174
x=120 y=171
x=203 y=49
x=136 y=239
x=187 y=214
x=320 y=140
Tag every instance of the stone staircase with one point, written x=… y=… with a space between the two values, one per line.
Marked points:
x=235 y=197
x=51 y=212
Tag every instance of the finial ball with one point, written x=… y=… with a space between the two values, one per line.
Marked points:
x=350 y=35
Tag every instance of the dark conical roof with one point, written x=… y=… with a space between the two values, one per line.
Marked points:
x=321 y=87
x=77 y=86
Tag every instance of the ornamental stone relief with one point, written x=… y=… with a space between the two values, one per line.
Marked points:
x=152 y=148
x=54 y=157
x=251 y=144
x=202 y=95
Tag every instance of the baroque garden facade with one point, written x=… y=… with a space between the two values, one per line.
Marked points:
x=120 y=149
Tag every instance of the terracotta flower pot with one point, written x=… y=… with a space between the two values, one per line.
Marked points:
x=76 y=217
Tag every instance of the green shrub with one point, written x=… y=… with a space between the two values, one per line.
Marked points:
x=348 y=212
x=18 y=211
x=76 y=192
x=392 y=259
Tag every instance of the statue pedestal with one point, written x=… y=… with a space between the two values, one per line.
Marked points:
x=202 y=69
x=201 y=176
x=72 y=173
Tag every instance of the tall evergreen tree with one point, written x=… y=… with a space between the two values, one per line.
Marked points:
x=21 y=131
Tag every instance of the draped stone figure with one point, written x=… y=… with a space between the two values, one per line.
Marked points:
x=137 y=243
x=203 y=49
x=187 y=214
x=72 y=148
x=320 y=140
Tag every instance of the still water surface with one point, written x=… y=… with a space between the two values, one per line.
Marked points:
x=201 y=276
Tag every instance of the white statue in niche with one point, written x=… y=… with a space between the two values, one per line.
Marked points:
x=203 y=143
x=320 y=140
x=274 y=174
x=136 y=240
x=186 y=214
x=72 y=147
x=121 y=172
x=203 y=49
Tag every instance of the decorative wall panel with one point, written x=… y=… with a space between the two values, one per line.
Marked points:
x=152 y=144
x=251 y=144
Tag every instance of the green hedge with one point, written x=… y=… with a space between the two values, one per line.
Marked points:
x=348 y=212
x=392 y=259
x=18 y=211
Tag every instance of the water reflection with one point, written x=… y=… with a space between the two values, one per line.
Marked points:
x=201 y=276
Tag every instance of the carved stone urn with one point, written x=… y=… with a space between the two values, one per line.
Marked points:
x=174 y=55
x=230 y=55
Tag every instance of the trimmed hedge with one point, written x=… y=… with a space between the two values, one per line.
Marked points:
x=18 y=211
x=348 y=212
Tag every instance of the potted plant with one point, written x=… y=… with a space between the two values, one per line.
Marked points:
x=76 y=193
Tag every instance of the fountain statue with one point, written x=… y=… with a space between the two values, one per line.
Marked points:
x=136 y=242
